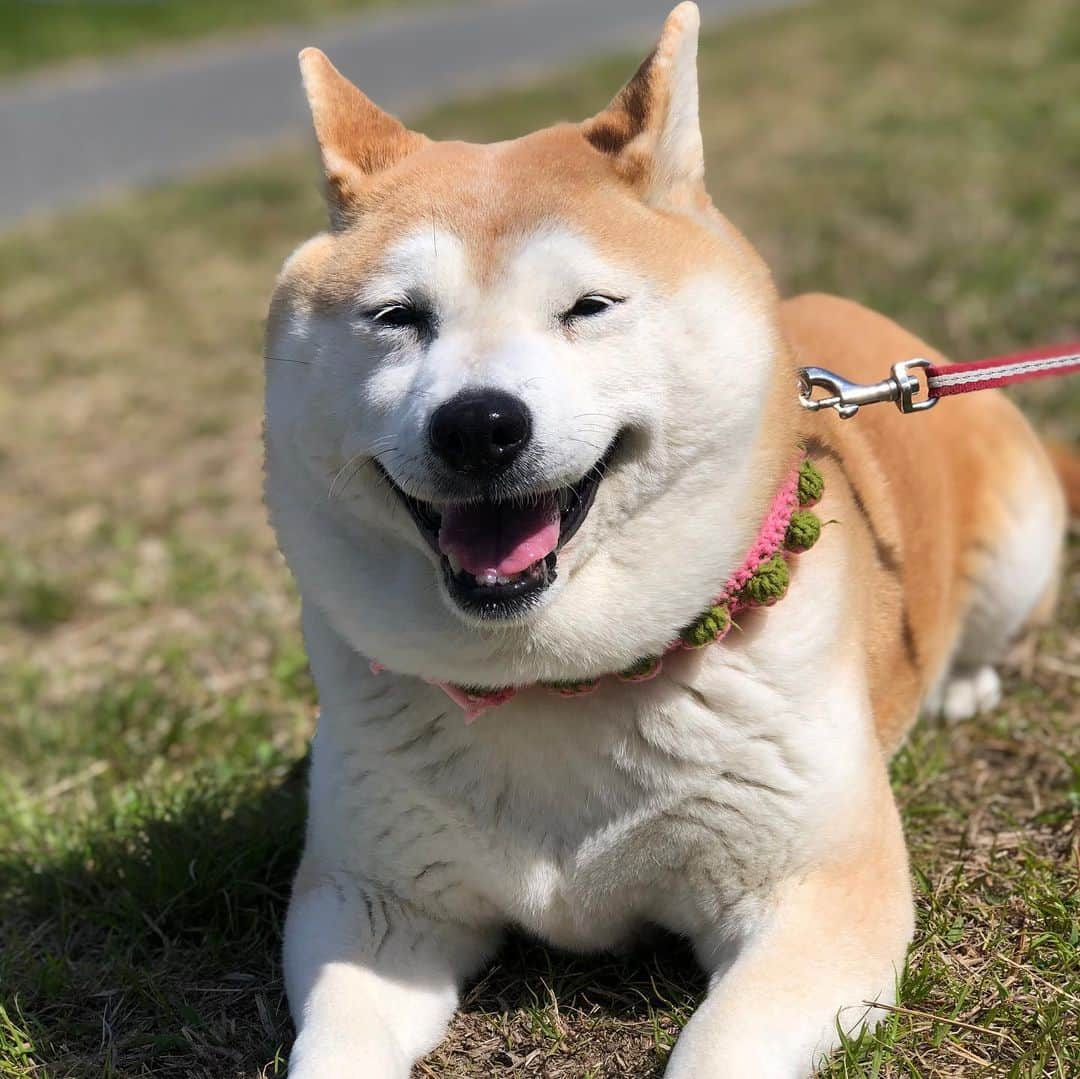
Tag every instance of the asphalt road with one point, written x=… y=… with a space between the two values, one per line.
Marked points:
x=70 y=137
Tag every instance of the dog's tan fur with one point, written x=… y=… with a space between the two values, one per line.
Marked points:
x=742 y=798
x=933 y=494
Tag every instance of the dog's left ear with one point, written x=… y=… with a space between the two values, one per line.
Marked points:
x=651 y=130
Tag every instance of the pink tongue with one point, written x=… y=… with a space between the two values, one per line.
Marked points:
x=501 y=538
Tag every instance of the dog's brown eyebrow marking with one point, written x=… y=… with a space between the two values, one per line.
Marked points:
x=885 y=553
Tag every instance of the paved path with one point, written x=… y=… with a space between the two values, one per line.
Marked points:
x=67 y=138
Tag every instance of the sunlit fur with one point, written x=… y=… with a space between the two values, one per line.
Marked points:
x=741 y=798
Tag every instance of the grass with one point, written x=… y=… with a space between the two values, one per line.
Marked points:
x=36 y=33
x=154 y=699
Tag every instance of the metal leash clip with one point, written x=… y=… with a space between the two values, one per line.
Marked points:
x=847 y=397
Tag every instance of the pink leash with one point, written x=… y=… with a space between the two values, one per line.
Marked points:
x=942 y=380
x=950 y=378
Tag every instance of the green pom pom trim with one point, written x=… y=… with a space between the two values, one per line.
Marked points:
x=811 y=484
x=708 y=627
x=768 y=584
x=642 y=670
x=803 y=531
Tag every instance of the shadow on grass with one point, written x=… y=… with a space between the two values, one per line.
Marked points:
x=573 y=1015
x=658 y=971
x=150 y=944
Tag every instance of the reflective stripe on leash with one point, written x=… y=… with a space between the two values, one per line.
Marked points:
x=941 y=381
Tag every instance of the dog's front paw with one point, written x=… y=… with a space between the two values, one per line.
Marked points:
x=326 y=1057
x=735 y=1062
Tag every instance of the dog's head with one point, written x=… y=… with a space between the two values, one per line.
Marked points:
x=518 y=396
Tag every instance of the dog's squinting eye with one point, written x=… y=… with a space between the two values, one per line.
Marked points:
x=398 y=316
x=592 y=304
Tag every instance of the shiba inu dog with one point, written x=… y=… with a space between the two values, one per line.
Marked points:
x=529 y=405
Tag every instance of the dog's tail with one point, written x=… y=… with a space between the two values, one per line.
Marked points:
x=1066 y=460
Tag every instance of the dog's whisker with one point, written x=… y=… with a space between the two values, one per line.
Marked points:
x=287 y=359
x=374 y=458
x=585 y=442
x=382 y=445
x=341 y=471
x=355 y=472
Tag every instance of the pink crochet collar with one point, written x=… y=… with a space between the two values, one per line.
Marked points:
x=762 y=579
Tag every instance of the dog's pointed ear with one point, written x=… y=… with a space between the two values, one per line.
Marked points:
x=356 y=138
x=651 y=130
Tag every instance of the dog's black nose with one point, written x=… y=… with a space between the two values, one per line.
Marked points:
x=480 y=432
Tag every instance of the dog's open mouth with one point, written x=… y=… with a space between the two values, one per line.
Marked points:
x=499 y=555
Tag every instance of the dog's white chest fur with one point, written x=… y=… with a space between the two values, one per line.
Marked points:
x=679 y=802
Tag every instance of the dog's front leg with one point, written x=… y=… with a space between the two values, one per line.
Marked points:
x=372 y=982
x=833 y=939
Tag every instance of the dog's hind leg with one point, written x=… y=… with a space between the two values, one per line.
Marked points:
x=1011 y=568
x=371 y=982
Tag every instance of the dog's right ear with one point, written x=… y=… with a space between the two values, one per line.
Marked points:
x=356 y=138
